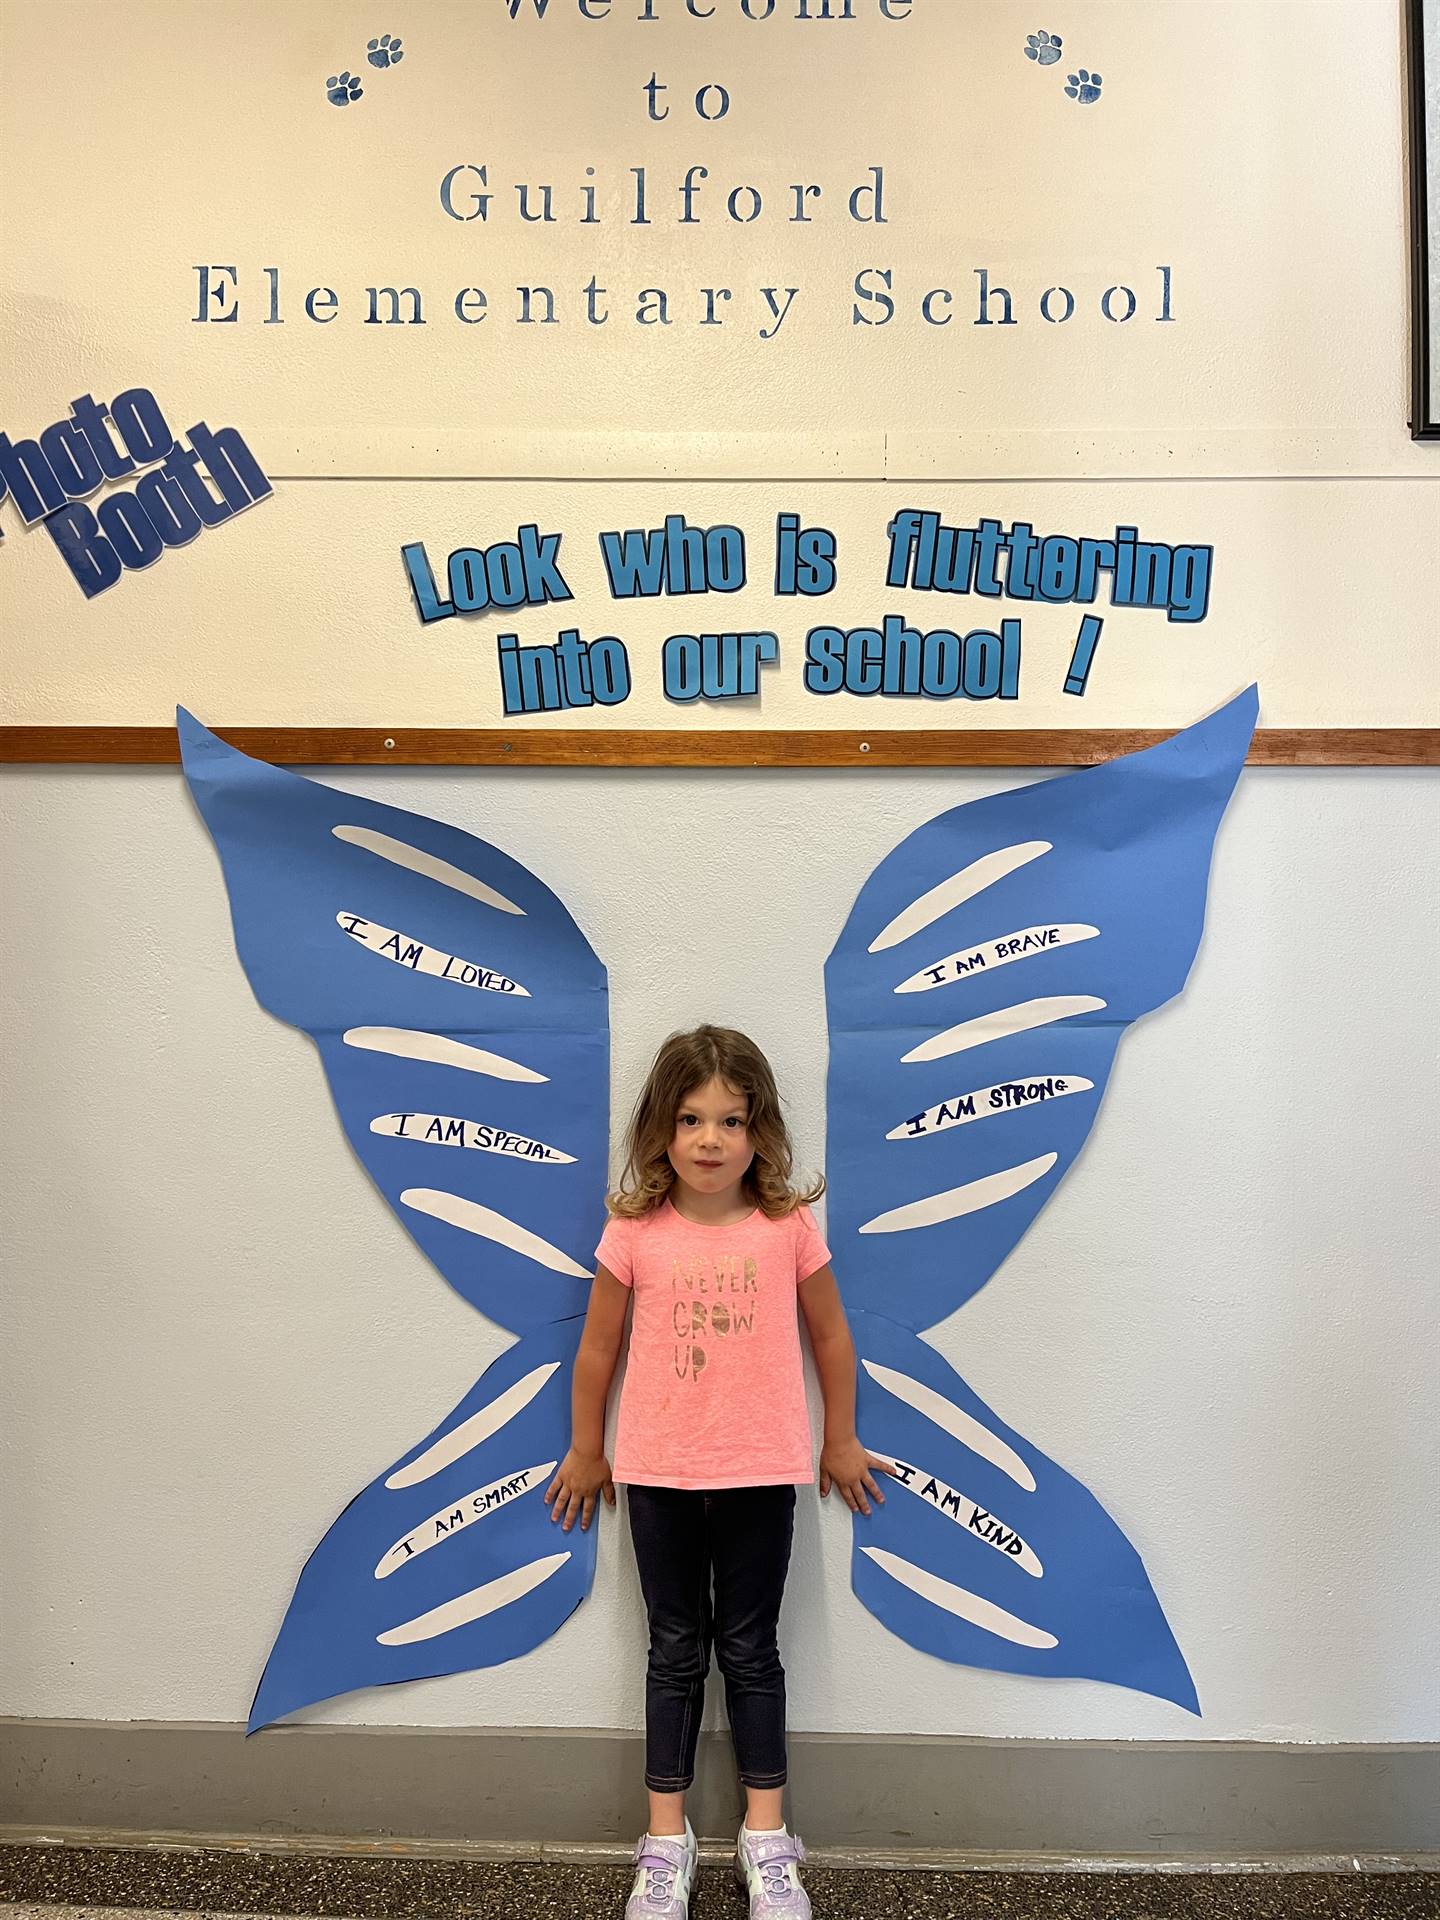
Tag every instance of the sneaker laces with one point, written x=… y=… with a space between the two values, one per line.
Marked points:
x=660 y=1872
x=659 y=1884
x=775 y=1879
x=778 y=1879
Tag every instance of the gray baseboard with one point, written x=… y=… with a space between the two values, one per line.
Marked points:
x=889 y=1796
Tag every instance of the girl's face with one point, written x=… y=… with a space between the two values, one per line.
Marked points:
x=710 y=1150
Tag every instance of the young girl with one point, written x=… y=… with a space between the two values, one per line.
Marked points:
x=717 y=1248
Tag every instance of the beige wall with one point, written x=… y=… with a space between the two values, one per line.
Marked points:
x=1256 y=400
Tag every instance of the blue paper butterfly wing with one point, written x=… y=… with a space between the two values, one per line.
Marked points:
x=964 y=1098
x=1026 y=931
x=449 y=1560
x=985 y=1552
x=461 y=1017
x=480 y=1110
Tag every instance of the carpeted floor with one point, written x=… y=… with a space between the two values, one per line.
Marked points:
x=72 y=1883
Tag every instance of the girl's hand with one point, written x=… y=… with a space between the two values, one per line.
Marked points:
x=578 y=1479
x=847 y=1463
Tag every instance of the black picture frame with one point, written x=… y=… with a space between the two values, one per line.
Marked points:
x=1423 y=35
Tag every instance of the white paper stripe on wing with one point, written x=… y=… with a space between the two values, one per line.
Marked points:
x=483 y=1136
x=1023 y=944
x=449 y=1521
x=470 y=1433
x=471 y=1217
x=404 y=950
x=966 y=1513
x=959 y=888
x=961 y=1602
x=402 y=854
x=439 y=1050
x=960 y=1425
x=1000 y=1024
x=988 y=1191
x=474 y=1605
x=1006 y=1096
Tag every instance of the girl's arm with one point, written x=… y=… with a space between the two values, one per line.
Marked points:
x=584 y=1473
x=842 y=1458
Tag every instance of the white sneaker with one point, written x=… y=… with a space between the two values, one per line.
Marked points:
x=765 y=1866
x=664 y=1868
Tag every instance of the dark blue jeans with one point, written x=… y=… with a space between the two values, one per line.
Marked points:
x=739 y=1539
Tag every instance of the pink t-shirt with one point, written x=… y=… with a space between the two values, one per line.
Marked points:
x=714 y=1392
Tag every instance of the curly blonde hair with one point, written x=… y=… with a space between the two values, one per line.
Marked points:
x=685 y=1062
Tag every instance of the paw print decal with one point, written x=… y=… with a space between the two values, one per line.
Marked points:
x=385 y=51
x=1044 y=47
x=1084 y=87
x=341 y=89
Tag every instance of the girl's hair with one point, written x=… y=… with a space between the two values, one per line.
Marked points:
x=685 y=1062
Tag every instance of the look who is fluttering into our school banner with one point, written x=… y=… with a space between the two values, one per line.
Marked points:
x=976 y=996
x=924 y=554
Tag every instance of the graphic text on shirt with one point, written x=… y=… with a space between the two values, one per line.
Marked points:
x=713 y=1296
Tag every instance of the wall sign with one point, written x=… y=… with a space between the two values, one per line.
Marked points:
x=700 y=401
x=187 y=488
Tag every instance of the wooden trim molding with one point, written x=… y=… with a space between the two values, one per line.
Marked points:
x=680 y=747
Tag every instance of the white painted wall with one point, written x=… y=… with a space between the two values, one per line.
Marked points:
x=1225 y=1324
